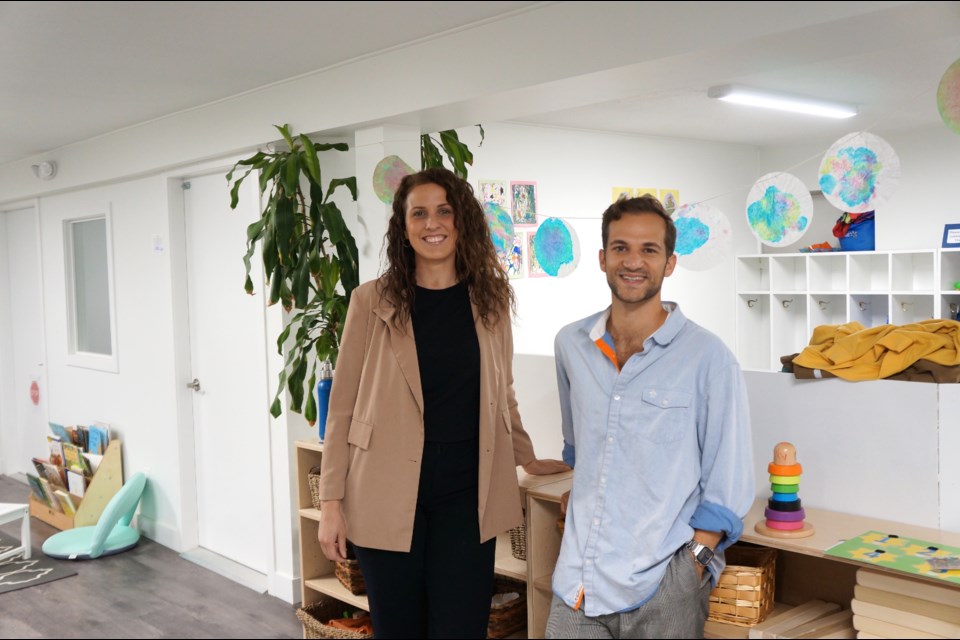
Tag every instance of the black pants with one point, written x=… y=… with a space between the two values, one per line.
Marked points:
x=442 y=587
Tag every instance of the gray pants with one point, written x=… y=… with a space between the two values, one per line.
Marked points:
x=678 y=609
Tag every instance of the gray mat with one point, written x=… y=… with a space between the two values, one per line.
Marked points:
x=17 y=573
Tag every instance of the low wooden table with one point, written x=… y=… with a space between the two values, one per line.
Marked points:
x=9 y=512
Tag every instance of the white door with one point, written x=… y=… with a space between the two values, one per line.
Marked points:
x=23 y=415
x=228 y=359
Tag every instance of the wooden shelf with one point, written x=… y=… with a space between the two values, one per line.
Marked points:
x=311 y=513
x=330 y=586
x=506 y=564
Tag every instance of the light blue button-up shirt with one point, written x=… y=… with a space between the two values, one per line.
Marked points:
x=659 y=448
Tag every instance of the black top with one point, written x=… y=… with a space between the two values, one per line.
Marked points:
x=448 y=353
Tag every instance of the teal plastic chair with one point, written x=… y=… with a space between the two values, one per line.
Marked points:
x=112 y=533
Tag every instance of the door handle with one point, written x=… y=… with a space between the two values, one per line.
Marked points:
x=195 y=385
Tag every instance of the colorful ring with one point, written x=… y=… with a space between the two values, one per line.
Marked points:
x=785 y=526
x=785 y=488
x=784 y=469
x=784 y=506
x=785 y=497
x=784 y=516
x=774 y=479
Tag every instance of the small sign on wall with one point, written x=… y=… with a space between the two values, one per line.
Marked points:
x=35 y=393
x=951 y=236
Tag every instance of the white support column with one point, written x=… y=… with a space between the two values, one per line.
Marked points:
x=373 y=145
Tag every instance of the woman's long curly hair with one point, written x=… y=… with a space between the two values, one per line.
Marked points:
x=476 y=259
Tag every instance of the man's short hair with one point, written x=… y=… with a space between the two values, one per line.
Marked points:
x=642 y=204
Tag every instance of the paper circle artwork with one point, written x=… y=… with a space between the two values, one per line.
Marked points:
x=557 y=247
x=387 y=176
x=859 y=173
x=501 y=228
x=948 y=97
x=704 y=237
x=779 y=209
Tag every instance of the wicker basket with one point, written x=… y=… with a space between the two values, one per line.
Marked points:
x=518 y=542
x=348 y=573
x=512 y=616
x=313 y=479
x=315 y=617
x=744 y=595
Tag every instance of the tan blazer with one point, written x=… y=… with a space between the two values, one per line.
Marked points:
x=374 y=437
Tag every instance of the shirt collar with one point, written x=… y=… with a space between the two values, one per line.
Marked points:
x=662 y=336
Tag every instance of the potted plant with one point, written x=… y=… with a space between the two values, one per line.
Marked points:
x=309 y=258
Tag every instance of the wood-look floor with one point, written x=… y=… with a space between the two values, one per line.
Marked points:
x=148 y=592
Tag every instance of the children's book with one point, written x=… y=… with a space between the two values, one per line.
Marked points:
x=76 y=483
x=60 y=431
x=56 y=450
x=73 y=459
x=51 y=499
x=36 y=488
x=66 y=502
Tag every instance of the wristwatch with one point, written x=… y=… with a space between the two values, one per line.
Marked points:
x=701 y=552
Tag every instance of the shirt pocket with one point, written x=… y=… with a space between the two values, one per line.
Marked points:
x=664 y=414
x=507 y=422
x=359 y=434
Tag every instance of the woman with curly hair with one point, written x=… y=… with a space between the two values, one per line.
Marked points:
x=423 y=435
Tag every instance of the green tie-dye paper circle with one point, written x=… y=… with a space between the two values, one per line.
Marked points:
x=501 y=227
x=948 y=97
x=779 y=209
x=387 y=176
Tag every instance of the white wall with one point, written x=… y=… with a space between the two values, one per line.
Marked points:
x=7 y=414
x=925 y=199
x=575 y=172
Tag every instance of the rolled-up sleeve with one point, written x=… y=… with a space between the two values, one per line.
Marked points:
x=726 y=460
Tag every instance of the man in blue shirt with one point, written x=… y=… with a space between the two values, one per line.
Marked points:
x=656 y=425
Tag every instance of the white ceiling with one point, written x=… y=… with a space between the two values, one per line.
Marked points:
x=71 y=71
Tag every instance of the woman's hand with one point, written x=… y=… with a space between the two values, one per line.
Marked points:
x=545 y=467
x=332 y=532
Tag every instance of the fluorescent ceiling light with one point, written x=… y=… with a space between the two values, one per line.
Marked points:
x=782 y=101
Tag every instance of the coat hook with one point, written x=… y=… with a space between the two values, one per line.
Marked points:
x=751 y=302
x=905 y=305
x=863 y=305
x=954 y=308
x=823 y=304
x=786 y=303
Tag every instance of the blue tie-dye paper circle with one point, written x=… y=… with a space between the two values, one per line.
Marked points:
x=859 y=173
x=704 y=236
x=557 y=247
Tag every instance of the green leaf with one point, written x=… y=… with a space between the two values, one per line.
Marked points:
x=276 y=408
x=350 y=183
x=283 y=223
x=482 y=135
x=327 y=146
x=275 y=283
x=285 y=132
x=311 y=161
x=248 y=285
x=310 y=412
x=429 y=154
x=457 y=152
x=267 y=172
x=291 y=176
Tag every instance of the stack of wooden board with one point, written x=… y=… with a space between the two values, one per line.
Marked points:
x=813 y=619
x=890 y=606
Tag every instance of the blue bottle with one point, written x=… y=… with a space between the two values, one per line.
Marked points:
x=323 y=396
